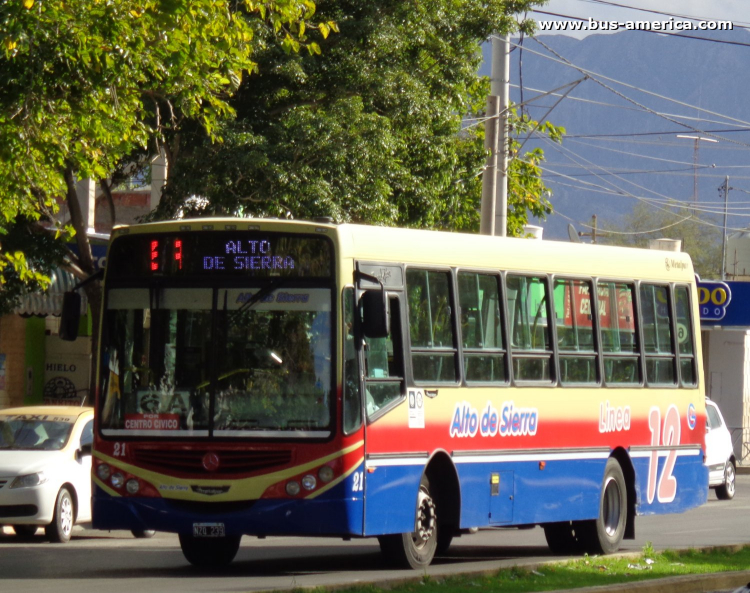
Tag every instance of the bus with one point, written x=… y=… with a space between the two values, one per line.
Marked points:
x=303 y=378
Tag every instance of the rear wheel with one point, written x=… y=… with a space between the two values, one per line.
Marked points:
x=604 y=535
x=25 y=531
x=415 y=550
x=62 y=523
x=209 y=552
x=726 y=490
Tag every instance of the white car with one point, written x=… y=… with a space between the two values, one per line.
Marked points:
x=720 y=457
x=45 y=469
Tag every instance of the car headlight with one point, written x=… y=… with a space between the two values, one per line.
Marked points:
x=29 y=480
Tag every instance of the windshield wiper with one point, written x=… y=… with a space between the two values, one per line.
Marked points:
x=263 y=293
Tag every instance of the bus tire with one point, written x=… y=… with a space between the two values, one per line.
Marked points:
x=415 y=550
x=209 y=552
x=562 y=538
x=604 y=535
x=61 y=527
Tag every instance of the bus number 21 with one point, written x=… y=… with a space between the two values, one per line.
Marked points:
x=359 y=482
x=668 y=436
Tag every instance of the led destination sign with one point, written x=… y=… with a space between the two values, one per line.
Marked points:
x=216 y=253
x=248 y=255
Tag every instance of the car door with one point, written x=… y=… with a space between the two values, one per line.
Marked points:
x=82 y=472
x=714 y=456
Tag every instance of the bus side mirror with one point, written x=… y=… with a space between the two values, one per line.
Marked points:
x=71 y=316
x=375 y=314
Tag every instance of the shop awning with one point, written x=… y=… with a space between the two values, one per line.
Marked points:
x=50 y=302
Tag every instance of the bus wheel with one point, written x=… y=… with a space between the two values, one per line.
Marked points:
x=603 y=536
x=562 y=538
x=209 y=552
x=415 y=550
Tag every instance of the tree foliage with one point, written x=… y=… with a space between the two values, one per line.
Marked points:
x=84 y=84
x=700 y=233
x=373 y=129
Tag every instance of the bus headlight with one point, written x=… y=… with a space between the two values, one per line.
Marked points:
x=325 y=474
x=292 y=488
x=103 y=472
x=309 y=482
x=117 y=480
x=132 y=486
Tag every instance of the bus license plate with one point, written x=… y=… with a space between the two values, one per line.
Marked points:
x=208 y=530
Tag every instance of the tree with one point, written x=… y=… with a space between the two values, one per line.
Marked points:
x=701 y=234
x=89 y=86
x=373 y=129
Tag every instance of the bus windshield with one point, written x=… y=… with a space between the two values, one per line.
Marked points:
x=215 y=362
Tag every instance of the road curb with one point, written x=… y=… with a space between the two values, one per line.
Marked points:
x=743 y=469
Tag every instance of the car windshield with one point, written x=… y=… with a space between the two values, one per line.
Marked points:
x=217 y=362
x=29 y=432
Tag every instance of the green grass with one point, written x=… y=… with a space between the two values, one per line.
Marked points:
x=588 y=571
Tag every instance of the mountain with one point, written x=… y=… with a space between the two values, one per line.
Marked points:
x=647 y=89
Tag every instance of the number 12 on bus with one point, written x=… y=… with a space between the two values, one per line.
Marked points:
x=261 y=377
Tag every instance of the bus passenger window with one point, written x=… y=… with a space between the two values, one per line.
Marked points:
x=658 y=344
x=618 y=331
x=688 y=374
x=384 y=374
x=575 y=332
x=531 y=347
x=433 y=344
x=481 y=328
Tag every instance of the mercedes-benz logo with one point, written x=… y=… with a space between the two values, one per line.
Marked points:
x=211 y=461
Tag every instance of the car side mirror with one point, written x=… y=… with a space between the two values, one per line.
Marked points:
x=86 y=449
x=375 y=314
x=71 y=316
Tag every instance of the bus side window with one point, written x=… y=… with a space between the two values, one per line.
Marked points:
x=575 y=332
x=531 y=347
x=618 y=331
x=658 y=345
x=384 y=369
x=434 y=355
x=481 y=328
x=685 y=338
x=352 y=404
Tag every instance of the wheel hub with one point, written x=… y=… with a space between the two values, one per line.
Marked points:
x=426 y=518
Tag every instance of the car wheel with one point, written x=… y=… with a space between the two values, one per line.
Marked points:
x=726 y=490
x=62 y=523
x=143 y=533
x=25 y=531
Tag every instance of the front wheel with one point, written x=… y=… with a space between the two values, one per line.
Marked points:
x=604 y=535
x=726 y=490
x=209 y=552
x=62 y=522
x=417 y=549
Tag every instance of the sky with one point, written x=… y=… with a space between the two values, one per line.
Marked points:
x=732 y=10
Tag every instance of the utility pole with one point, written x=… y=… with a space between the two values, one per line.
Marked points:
x=592 y=234
x=494 y=217
x=724 y=239
x=696 y=140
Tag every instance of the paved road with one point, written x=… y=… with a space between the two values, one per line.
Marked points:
x=118 y=563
